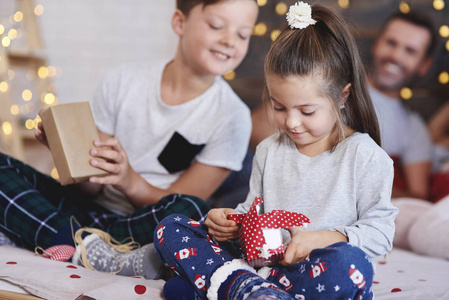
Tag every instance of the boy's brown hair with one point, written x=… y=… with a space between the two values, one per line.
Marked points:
x=186 y=5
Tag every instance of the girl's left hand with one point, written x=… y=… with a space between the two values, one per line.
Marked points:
x=115 y=162
x=299 y=247
x=304 y=241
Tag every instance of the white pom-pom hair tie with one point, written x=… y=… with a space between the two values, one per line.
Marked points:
x=300 y=15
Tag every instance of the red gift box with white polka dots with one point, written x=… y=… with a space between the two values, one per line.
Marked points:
x=260 y=234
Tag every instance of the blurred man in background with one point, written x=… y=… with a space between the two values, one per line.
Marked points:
x=401 y=53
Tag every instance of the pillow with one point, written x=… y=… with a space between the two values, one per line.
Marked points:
x=429 y=235
x=410 y=210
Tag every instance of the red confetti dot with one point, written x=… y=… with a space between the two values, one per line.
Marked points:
x=140 y=289
x=382 y=262
x=400 y=271
x=11 y=263
x=423 y=280
x=71 y=267
x=75 y=276
x=396 y=290
x=375 y=282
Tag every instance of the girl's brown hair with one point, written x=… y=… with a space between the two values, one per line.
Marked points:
x=328 y=50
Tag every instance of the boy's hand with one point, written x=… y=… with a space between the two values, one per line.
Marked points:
x=219 y=226
x=115 y=163
x=39 y=133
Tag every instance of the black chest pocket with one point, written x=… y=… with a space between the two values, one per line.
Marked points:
x=178 y=154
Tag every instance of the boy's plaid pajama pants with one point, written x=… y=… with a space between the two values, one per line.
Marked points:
x=34 y=208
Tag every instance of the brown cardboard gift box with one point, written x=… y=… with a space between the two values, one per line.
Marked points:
x=70 y=131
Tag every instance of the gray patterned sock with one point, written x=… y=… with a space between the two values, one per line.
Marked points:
x=142 y=261
x=6 y=241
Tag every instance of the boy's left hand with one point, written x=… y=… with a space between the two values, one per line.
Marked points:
x=114 y=161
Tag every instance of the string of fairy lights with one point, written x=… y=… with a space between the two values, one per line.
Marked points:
x=11 y=31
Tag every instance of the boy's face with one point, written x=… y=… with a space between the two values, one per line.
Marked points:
x=214 y=38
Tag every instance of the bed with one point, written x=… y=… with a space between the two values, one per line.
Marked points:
x=401 y=274
x=22 y=273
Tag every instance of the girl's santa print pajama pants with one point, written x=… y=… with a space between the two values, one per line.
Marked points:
x=339 y=271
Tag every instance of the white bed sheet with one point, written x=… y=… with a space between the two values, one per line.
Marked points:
x=50 y=279
x=402 y=274
x=10 y=287
x=399 y=275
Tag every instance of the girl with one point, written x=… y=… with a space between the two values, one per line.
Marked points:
x=325 y=163
x=166 y=127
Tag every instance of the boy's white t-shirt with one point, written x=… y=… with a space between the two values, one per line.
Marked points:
x=161 y=140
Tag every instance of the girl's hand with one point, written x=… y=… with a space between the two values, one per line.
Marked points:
x=299 y=247
x=115 y=162
x=219 y=226
x=304 y=241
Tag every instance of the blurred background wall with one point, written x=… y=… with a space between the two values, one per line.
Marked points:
x=83 y=39
x=365 y=18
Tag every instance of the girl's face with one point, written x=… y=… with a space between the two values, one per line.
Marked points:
x=215 y=38
x=302 y=112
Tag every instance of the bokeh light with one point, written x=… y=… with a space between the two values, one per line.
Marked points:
x=18 y=16
x=261 y=2
x=260 y=29
x=404 y=7
x=281 y=8
x=274 y=34
x=27 y=95
x=54 y=173
x=6 y=41
x=14 y=110
x=343 y=3
x=49 y=99
x=42 y=72
x=438 y=4
x=4 y=86
x=443 y=78
x=230 y=75
x=29 y=124
x=12 y=34
x=39 y=10
x=444 y=31
x=406 y=93
x=7 y=128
